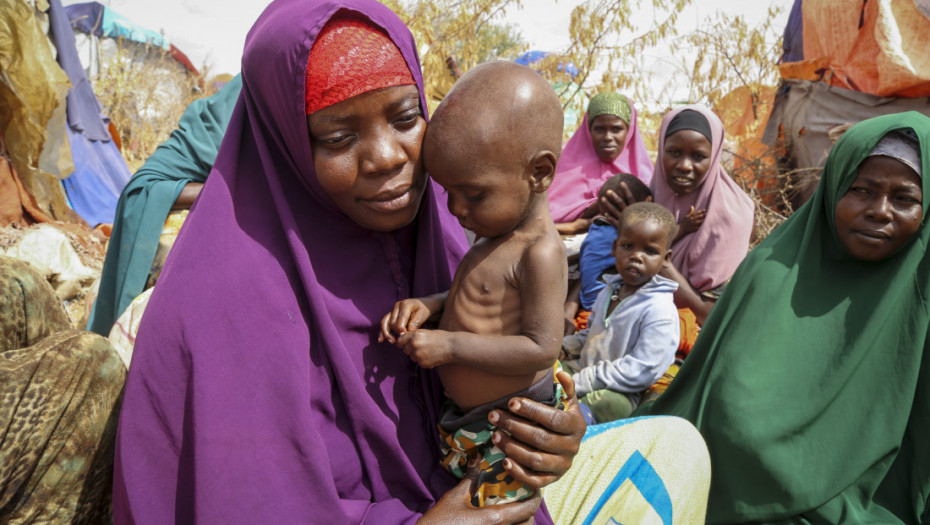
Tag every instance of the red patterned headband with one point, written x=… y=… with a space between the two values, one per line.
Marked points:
x=350 y=57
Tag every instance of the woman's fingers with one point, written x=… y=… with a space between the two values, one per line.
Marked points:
x=626 y=193
x=567 y=422
x=385 y=334
x=528 y=467
x=568 y=386
x=537 y=452
x=539 y=441
x=455 y=507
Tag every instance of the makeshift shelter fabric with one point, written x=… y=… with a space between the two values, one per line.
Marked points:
x=872 y=47
x=793 y=37
x=580 y=173
x=98 y=19
x=810 y=378
x=17 y=205
x=94 y=18
x=257 y=385
x=85 y=114
x=708 y=257
x=32 y=108
x=187 y=156
x=806 y=111
x=99 y=169
x=60 y=390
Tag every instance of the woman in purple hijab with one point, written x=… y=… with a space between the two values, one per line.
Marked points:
x=258 y=391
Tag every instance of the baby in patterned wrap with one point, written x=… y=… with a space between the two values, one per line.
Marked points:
x=493 y=145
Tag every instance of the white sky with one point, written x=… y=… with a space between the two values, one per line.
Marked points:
x=213 y=32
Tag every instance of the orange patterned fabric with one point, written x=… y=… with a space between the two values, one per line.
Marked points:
x=581 y=320
x=351 y=57
x=689 y=332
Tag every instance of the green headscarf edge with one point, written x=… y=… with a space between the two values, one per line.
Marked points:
x=186 y=156
x=609 y=103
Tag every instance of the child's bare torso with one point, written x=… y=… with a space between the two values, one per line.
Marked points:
x=485 y=298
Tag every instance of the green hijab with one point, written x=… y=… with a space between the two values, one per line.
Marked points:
x=810 y=379
x=187 y=156
x=609 y=103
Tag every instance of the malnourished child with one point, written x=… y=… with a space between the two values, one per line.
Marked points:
x=633 y=330
x=493 y=144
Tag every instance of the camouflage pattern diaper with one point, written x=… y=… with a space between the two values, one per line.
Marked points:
x=495 y=485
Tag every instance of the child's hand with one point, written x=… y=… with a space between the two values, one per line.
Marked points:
x=692 y=221
x=407 y=315
x=428 y=348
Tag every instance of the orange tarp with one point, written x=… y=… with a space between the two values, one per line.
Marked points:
x=744 y=113
x=887 y=56
x=17 y=205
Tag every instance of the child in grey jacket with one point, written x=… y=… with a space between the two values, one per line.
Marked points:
x=633 y=330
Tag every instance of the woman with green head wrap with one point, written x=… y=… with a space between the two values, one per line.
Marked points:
x=810 y=379
x=170 y=179
x=607 y=143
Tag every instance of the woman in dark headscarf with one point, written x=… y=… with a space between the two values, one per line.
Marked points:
x=809 y=380
x=258 y=390
x=714 y=214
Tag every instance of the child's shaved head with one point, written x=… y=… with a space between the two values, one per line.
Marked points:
x=498 y=112
x=642 y=211
x=637 y=187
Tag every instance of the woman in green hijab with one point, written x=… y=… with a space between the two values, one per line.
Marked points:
x=810 y=379
x=170 y=179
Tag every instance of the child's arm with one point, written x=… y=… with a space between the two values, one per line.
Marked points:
x=572 y=344
x=686 y=296
x=690 y=223
x=410 y=314
x=543 y=282
x=640 y=367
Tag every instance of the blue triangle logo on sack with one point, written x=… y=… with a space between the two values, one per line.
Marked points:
x=644 y=477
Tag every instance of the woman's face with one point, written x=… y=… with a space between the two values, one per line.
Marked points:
x=366 y=151
x=881 y=211
x=608 y=134
x=686 y=159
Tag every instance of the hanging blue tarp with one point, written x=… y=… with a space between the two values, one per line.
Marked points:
x=793 y=41
x=97 y=19
x=531 y=57
x=99 y=170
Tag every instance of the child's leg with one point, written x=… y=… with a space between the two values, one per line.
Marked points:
x=608 y=405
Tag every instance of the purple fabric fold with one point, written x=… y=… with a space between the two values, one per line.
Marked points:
x=258 y=390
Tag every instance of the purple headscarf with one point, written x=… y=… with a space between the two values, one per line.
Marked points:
x=258 y=391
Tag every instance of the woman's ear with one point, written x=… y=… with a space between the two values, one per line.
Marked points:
x=542 y=170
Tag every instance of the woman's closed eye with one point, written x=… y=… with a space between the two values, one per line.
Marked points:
x=336 y=141
x=860 y=190
x=408 y=119
x=908 y=199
